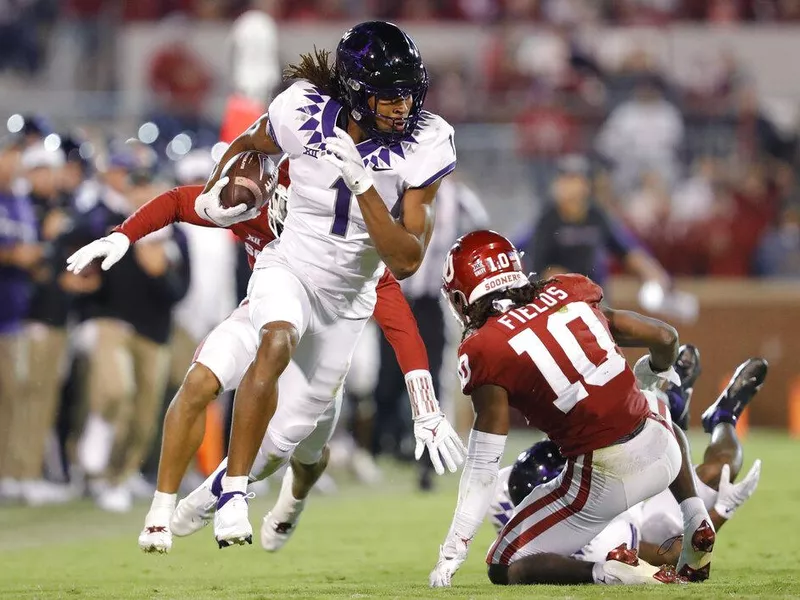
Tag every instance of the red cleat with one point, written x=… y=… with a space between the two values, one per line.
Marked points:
x=704 y=537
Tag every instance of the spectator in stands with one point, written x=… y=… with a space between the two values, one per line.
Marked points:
x=19 y=254
x=20 y=46
x=643 y=134
x=574 y=234
x=255 y=68
x=45 y=332
x=778 y=254
x=132 y=318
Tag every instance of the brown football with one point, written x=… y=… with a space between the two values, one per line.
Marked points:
x=249 y=179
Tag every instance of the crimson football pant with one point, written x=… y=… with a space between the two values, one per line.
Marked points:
x=565 y=514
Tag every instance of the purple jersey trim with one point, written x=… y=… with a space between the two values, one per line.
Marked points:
x=438 y=175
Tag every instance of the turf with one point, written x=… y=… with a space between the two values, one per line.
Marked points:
x=377 y=543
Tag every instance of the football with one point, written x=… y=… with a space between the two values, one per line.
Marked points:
x=251 y=180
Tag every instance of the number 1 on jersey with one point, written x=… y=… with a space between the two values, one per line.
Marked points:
x=341 y=209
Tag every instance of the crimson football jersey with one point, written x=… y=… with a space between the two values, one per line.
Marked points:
x=560 y=366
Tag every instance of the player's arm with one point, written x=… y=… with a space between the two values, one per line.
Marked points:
x=476 y=490
x=176 y=205
x=401 y=243
x=632 y=330
x=257 y=138
x=431 y=427
x=393 y=315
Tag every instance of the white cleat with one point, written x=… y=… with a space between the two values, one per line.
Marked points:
x=275 y=534
x=624 y=567
x=196 y=510
x=156 y=537
x=281 y=522
x=232 y=522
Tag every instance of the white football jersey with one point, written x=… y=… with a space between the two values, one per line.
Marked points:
x=325 y=238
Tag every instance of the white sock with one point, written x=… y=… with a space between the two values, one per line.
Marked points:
x=162 y=500
x=288 y=508
x=234 y=484
x=691 y=508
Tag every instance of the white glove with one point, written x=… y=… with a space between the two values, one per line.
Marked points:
x=732 y=495
x=342 y=153
x=434 y=431
x=649 y=379
x=208 y=207
x=110 y=248
x=451 y=556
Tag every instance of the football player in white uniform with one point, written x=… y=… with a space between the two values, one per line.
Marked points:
x=653 y=528
x=365 y=164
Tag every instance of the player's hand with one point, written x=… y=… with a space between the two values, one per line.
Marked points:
x=208 y=207
x=649 y=379
x=110 y=248
x=434 y=432
x=452 y=555
x=732 y=495
x=342 y=153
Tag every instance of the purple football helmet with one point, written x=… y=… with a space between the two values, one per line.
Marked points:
x=378 y=59
x=539 y=464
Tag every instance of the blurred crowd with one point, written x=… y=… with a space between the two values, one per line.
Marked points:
x=557 y=12
x=86 y=355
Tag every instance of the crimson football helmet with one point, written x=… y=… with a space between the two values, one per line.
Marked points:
x=479 y=263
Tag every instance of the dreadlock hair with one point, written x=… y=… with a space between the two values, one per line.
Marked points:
x=317 y=69
x=478 y=313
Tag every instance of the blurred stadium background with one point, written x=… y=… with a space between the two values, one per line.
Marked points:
x=680 y=119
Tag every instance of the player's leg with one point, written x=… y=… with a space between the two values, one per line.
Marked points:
x=746 y=381
x=559 y=518
x=720 y=421
x=197 y=509
x=687 y=366
x=219 y=364
x=307 y=464
x=280 y=309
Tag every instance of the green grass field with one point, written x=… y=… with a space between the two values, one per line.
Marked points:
x=376 y=543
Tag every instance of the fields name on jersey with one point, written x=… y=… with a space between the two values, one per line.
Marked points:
x=544 y=302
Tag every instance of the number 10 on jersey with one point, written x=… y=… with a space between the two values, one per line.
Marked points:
x=569 y=394
x=341 y=207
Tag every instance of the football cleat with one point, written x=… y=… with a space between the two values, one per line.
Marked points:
x=275 y=534
x=281 y=522
x=156 y=537
x=624 y=567
x=694 y=563
x=197 y=510
x=687 y=366
x=741 y=389
x=231 y=521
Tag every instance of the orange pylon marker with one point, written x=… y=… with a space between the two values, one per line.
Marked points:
x=794 y=408
x=211 y=452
